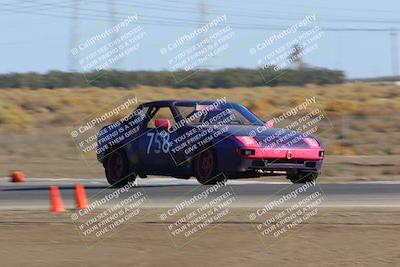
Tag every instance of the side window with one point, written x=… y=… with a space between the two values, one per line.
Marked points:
x=164 y=113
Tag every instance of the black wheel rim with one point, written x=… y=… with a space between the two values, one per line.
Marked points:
x=115 y=166
x=205 y=165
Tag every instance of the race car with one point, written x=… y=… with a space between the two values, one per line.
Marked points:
x=212 y=140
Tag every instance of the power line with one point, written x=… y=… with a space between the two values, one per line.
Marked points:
x=102 y=14
x=323 y=7
x=99 y=15
x=266 y=15
x=254 y=18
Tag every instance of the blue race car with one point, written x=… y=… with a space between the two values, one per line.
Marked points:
x=211 y=140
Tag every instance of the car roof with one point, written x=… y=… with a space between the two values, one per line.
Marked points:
x=176 y=101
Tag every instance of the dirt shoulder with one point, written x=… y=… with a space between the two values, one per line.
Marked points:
x=334 y=238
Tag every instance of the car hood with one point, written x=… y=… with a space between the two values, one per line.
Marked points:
x=269 y=137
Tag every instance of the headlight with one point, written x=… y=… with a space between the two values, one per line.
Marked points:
x=247 y=152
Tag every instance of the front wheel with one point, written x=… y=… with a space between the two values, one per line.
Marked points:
x=302 y=177
x=205 y=168
x=117 y=169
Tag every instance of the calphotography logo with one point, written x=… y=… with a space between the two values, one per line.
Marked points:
x=286 y=49
x=98 y=54
x=110 y=213
x=108 y=130
x=200 y=133
x=197 y=49
x=296 y=130
x=197 y=212
x=287 y=211
x=201 y=129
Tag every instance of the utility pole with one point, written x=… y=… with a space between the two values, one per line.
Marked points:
x=203 y=21
x=112 y=22
x=73 y=34
x=395 y=55
x=206 y=35
x=74 y=30
x=203 y=14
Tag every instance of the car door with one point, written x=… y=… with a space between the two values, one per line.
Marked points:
x=153 y=147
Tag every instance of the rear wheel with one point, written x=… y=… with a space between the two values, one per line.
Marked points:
x=117 y=169
x=205 y=168
x=302 y=177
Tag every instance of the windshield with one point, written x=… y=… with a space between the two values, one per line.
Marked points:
x=222 y=114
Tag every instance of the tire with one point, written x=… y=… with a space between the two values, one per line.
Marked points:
x=302 y=177
x=205 y=168
x=117 y=170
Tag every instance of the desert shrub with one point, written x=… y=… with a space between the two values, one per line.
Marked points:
x=11 y=115
x=226 y=78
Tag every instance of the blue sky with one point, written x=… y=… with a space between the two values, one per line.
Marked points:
x=36 y=34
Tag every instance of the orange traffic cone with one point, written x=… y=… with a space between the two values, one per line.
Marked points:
x=56 y=202
x=17 y=177
x=80 y=197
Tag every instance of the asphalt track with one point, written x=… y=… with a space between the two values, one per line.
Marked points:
x=167 y=192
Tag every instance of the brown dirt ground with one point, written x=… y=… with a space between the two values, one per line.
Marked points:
x=335 y=238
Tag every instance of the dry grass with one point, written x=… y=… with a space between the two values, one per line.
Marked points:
x=364 y=118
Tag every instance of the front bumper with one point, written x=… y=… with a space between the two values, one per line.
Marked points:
x=283 y=165
x=282 y=153
x=266 y=160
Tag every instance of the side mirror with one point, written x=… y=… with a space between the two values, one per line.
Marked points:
x=163 y=123
x=269 y=124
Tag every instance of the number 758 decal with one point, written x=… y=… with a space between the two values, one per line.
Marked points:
x=162 y=142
